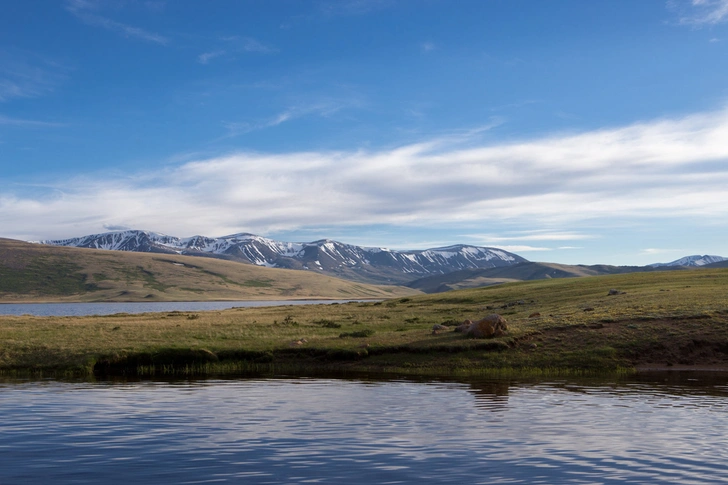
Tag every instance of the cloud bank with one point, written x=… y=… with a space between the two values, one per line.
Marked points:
x=667 y=168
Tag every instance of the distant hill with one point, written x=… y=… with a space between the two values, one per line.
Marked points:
x=35 y=272
x=522 y=272
x=370 y=265
x=719 y=264
x=693 y=261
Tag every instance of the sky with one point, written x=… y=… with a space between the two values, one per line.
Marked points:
x=567 y=131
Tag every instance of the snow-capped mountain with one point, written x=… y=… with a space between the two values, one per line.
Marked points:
x=378 y=265
x=695 y=260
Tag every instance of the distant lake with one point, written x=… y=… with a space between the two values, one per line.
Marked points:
x=665 y=429
x=82 y=309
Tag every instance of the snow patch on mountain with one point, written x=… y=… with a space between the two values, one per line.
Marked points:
x=324 y=255
x=694 y=260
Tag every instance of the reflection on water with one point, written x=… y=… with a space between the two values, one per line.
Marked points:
x=354 y=431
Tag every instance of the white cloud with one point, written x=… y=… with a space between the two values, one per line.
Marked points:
x=659 y=170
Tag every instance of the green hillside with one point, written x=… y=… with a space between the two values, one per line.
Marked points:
x=34 y=272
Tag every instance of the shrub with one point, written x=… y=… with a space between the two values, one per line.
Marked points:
x=360 y=334
x=327 y=323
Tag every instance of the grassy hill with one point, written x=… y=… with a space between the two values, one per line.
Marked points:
x=663 y=319
x=34 y=272
x=476 y=278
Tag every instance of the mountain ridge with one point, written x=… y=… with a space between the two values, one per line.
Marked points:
x=44 y=273
x=695 y=260
x=365 y=264
x=430 y=270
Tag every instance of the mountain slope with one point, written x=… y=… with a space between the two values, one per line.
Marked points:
x=475 y=278
x=373 y=265
x=719 y=264
x=693 y=261
x=34 y=272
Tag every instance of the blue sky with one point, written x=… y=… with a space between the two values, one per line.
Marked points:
x=565 y=131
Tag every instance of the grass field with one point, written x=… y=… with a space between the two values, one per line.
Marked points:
x=555 y=326
x=34 y=272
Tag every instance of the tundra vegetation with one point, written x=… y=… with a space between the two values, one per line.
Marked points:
x=601 y=324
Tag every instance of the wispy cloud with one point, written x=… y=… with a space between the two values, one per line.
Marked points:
x=662 y=169
x=520 y=248
x=111 y=227
x=427 y=47
x=704 y=12
x=234 y=45
x=353 y=7
x=321 y=109
x=328 y=10
x=24 y=75
x=654 y=251
x=86 y=11
x=531 y=236
x=506 y=241
x=23 y=123
x=248 y=44
x=205 y=57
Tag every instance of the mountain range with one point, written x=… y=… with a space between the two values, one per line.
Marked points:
x=369 y=265
x=429 y=270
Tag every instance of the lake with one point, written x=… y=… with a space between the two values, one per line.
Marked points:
x=109 y=308
x=665 y=428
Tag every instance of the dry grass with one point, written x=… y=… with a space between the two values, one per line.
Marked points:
x=679 y=317
x=31 y=272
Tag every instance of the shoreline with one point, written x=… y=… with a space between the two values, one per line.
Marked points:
x=249 y=369
x=662 y=321
x=215 y=300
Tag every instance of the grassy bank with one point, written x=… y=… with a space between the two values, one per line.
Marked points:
x=555 y=326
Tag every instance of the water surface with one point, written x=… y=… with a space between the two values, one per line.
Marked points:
x=332 y=431
x=109 y=308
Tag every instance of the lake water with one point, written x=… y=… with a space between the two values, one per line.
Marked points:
x=83 y=309
x=289 y=430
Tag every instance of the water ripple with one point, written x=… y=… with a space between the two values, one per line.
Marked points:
x=336 y=431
